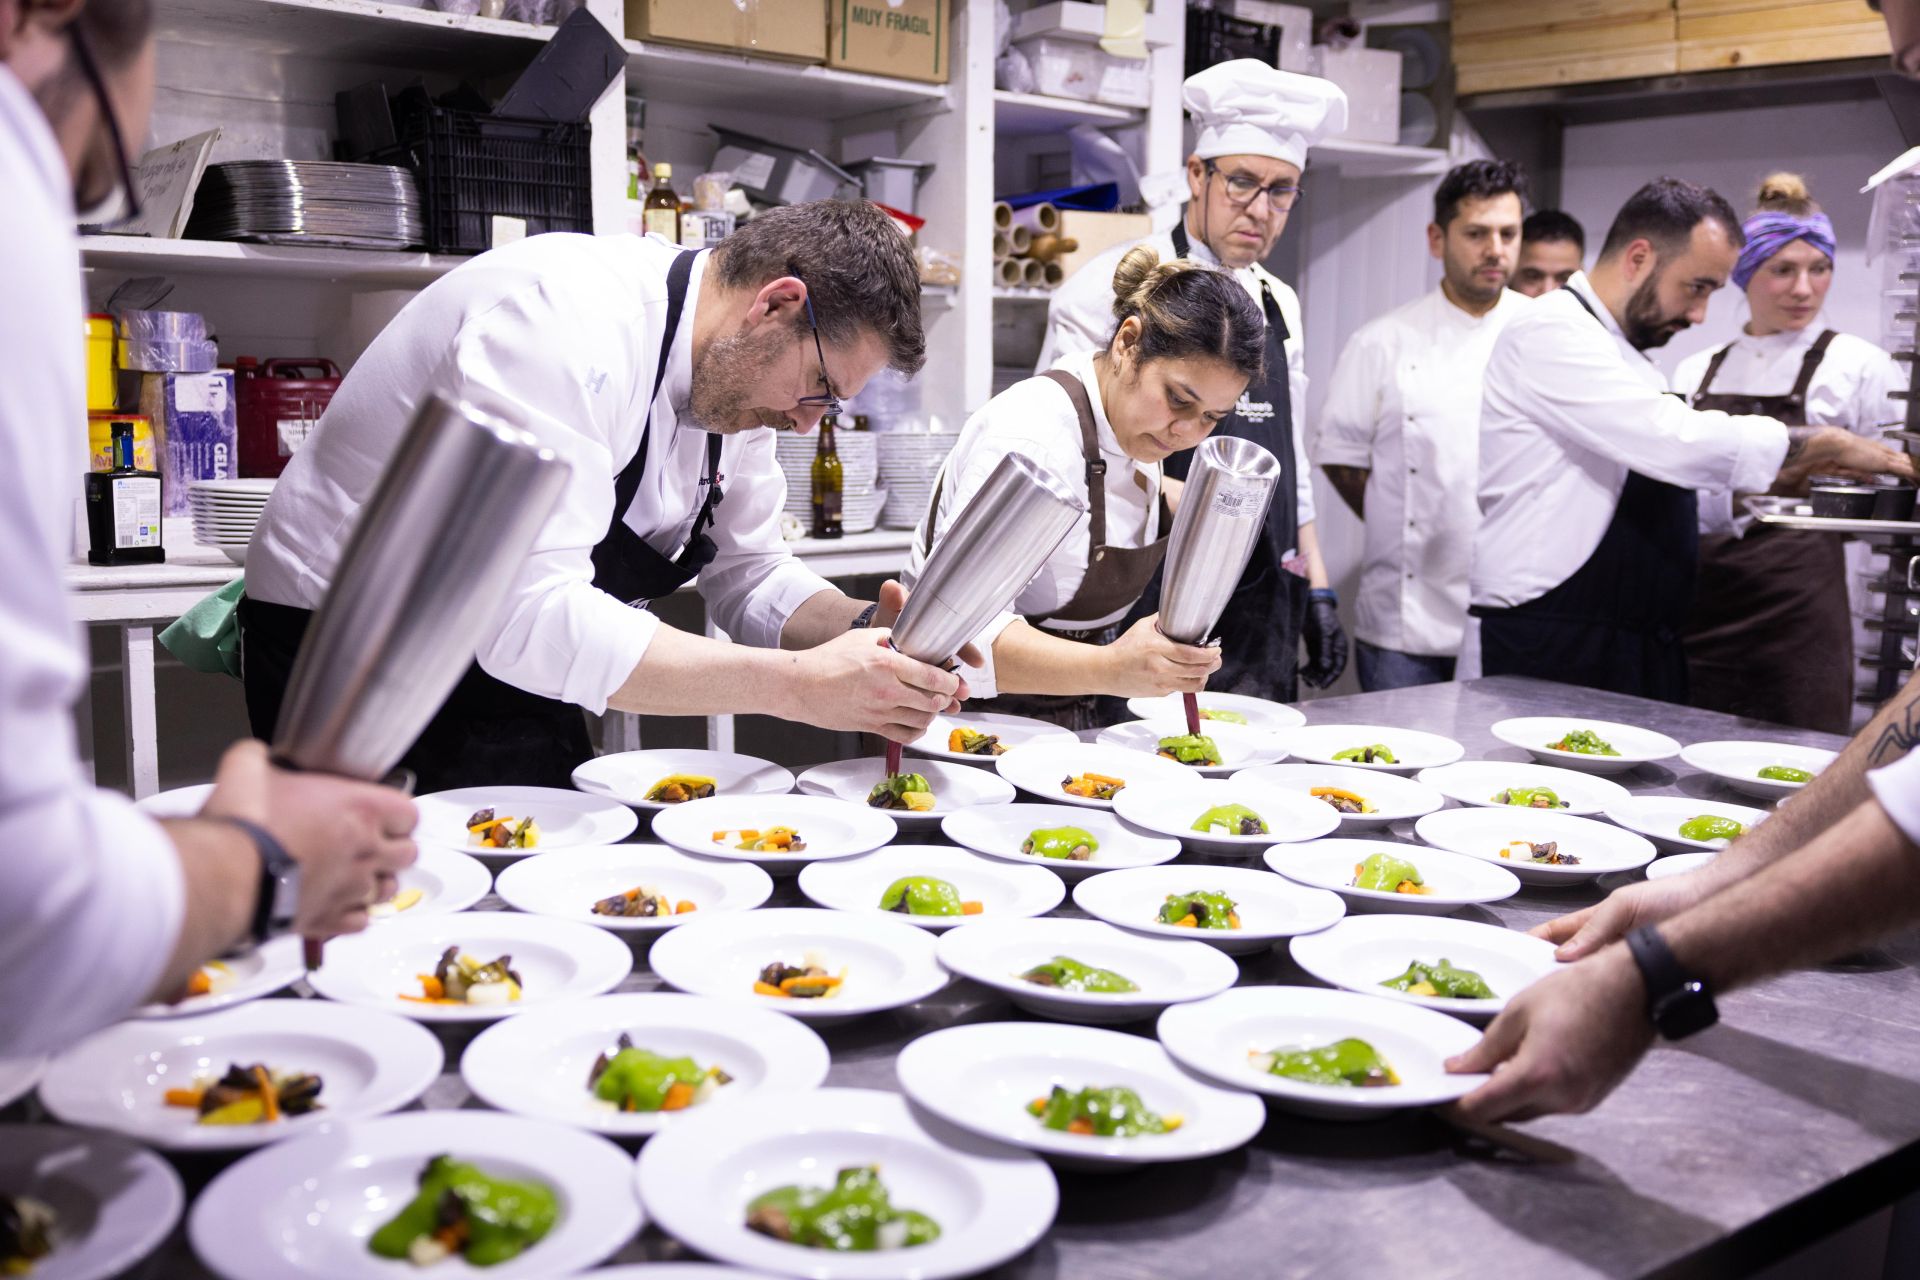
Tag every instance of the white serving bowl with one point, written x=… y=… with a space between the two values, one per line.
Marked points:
x=981 y=1077
x=537 y=1064
x=1172 y=811
x=1394 y=798
x=1412 y=750
x=955 y=787
x=1738 y=763
x=1659 y=818
x=247 y=976
x=1270 y=908
x=568 y=819
x=1002 y=890
x=1040 y=768
x=1454 y=880
x=1636 y=746
x=999 y=831
x=1361 y=952
x=887 y=963
x=1013 y=731
x=1476 y=782
x=995 y=955
x=1240 y=746
x=1678 y=865
x=1483 y=833
x=447 y=879
x=566 y=887
x=1261 y=713
x=831 y=828
x=627 y=776
x=115 y=1202
x=1216 y=1037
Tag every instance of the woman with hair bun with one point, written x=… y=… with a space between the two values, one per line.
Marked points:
x=1186 y=341
x=1771 y=634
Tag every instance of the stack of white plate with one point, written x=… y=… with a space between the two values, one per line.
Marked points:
x=861 y=500
x=909 y=466
x=225 y=511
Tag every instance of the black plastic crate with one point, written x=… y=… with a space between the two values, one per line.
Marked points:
x=1214 y=37
x=472 y=167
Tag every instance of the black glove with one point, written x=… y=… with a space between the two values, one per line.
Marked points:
x=1326 y=642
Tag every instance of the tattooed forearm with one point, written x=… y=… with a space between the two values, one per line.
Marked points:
x=1897 y=738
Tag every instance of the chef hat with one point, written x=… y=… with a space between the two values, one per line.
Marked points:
x=1248 y=108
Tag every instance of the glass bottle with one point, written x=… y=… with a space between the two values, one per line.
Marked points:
x=661 y=214
x=123 y=508
x=829 y=484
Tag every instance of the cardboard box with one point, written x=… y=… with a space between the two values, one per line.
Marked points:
x=195 y=427
x=1065 y=68
x=1097 y=233
x=908 y=39
x=1371 y=80
x=790 y=30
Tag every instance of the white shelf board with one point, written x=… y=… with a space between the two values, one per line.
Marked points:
x=143 y=255
x=1027 y=114
x=354 y=31
x=939 y=297
x=704 y=78
x=1021 y=293
x=1378 y=159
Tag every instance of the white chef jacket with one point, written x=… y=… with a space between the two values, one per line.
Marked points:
x=1849 y=389
x=560 y=335
x=1404 y=403
x=1035 y=418
x=91 y=895
x=1080 y=318
x=1897 y=787
x=1568 y=409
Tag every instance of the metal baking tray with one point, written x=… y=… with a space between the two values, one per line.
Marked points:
x=1793 y=513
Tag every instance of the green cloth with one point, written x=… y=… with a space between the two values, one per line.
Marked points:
x=207 y=636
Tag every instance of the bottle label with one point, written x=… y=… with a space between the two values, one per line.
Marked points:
x=136 y=512
x=664 y=223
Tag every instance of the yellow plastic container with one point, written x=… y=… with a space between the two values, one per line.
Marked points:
x=100 y=373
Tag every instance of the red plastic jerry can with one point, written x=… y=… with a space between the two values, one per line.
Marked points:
x=278 y=404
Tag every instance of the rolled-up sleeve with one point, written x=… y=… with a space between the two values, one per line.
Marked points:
x=755 y=583
x=1897 y=787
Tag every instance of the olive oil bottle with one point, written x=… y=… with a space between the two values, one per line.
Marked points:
x=829 y=483
x=123 y=508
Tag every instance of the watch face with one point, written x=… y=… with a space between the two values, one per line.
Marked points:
x=1684 y=1012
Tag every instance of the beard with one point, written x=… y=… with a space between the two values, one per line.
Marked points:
x=1647 y=326
x=725 y=380
x=1464 y=279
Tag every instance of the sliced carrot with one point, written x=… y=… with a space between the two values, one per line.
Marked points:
x=269 y=1096
x=631 y=894
x=431 y=987
x=683 y=906
x=183 y=1097
x=1080 y=1125
x=679 y=1097
x=1188 y=921
x=971 y=908
x=199 y=984
x=1233 y=919
x=767 y=989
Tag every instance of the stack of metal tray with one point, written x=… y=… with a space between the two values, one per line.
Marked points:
x=310 y=202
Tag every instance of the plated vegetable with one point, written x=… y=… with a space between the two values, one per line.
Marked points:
x=855 y=1215
x=1784 y=773
x=26 y=1233
x=461 y=1210
x=1583 y=742
x=1200 y=910
x=1225 y=717
x=1113 y=1112
x=249 y=1095
x=396 y=904
x=907 y=791
x=1230 y=820
x=1545 y=853
x=1064 y=973
x=488 y=830
x=1441 y=979
x=460 y=979
x=809 y=981
x=926 y=896
x=1711 y=827
x=1071 y=844
x=1343 y=801
x=1092 y=786
x=1530 y=798
x=635 y=1079
x=210 y=979
x=641 y=902
x=972 y=742
x=1388 y=874
x=772 y=840
x=678 y=788
x=1375 y=754
x=1196 y=749
x=1345 y=1064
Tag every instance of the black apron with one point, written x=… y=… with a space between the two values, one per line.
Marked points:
x=490 y=733
x=1260 y=629
x=1771 y=632
x=1616 y=623
x=1114 y=579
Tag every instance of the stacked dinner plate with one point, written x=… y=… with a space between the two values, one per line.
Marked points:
x=862 y=499
x=225 y=511
x=323 y=202
x=909 y=466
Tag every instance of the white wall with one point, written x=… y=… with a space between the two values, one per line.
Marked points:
x=1835 y=146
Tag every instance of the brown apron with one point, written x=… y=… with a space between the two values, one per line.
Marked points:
x=1115 y=578
x=1770 y=635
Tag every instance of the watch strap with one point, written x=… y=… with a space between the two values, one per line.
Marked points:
x=275 y=862
x=865 y=618
x=1678 y=1005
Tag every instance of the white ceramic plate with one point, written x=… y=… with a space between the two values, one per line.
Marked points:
x=1172 y=811
x=368 y=1064
x=114 y=1201
x=1393 y=798
x=674 y=1271
x=537 y=1065
x=1738 y=763
x=1269 y=907
x=995 y=955
x=1215 y=1037
x=1482 y=833
x=244 y=977
x=982 y=1077
x=887 y=963
x=998 y=832
x=955 y=787
x=181 y=802
x=1039 y=769
x=568 y=819
x=1636 y=746
x=627 y=776
x=1361 y=952
x=831 y=828
x=17 y=1078
x=1240 y=746
x=1013 y=731
x=1454 y=879
x=1412 y=750
x=447 y=879
x=1003 y=891
x=1678 y=865
x=569 y=885
x=1477 y=782
x=1260 y=713
x=307 y=1208
x=557 y=960
x=992 y=1202
x=1658 y=818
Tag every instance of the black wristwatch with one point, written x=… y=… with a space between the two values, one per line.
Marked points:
x=1678 y=1005
x=279 y=890
x=865 y=617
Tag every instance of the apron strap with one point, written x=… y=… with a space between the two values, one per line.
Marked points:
x=1090 y=453
x=1810 y=364
x=627 y=484
x=1713 y=370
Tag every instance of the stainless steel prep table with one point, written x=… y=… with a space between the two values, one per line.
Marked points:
x=1797 y=1115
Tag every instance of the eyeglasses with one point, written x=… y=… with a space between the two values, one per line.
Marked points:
x=1243 y=190
x=830 y=401
x=89 y=68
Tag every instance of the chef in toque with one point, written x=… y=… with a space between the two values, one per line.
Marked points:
x=1255 y=125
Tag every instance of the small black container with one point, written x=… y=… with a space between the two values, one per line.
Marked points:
x=1893 y=502
x=1843 y=501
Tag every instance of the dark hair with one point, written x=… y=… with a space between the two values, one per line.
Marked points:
x=1188 y=309
x=857 y=267
x=1477 y=180
x=1665 y=212
x=1546 y=226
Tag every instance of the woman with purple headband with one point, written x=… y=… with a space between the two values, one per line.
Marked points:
x=1771 y=634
